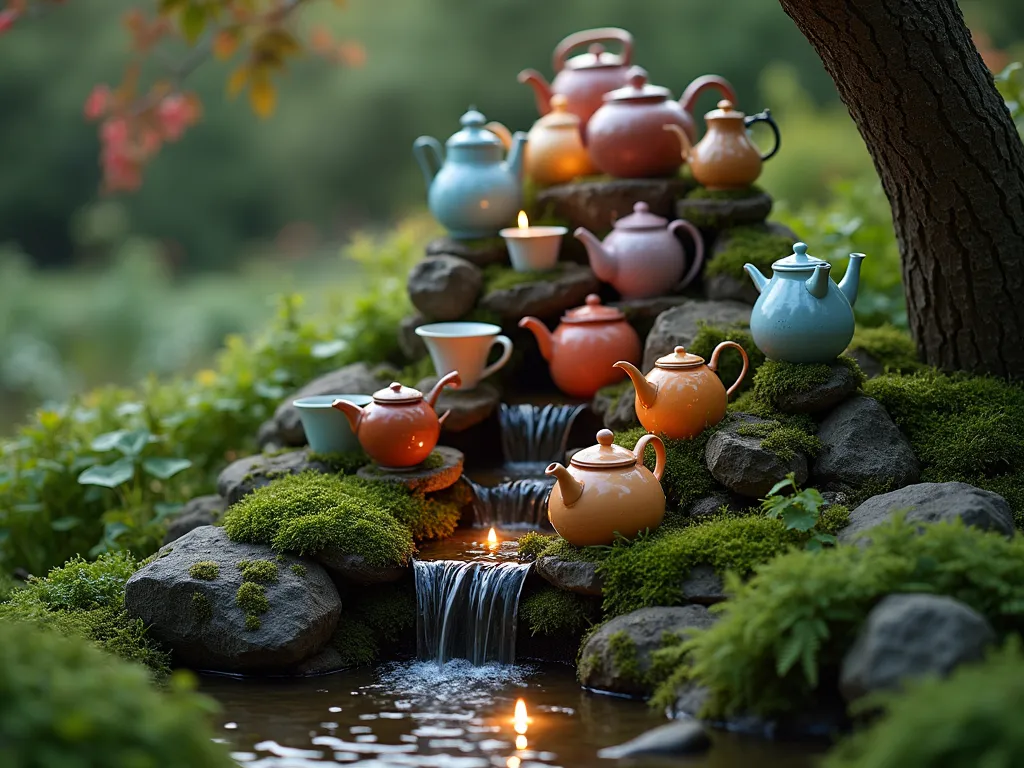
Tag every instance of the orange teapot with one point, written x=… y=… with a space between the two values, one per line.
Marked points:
x=682 y=396
x=583 y=348
x=607 y=491
x=554 y=147
x=400 y=428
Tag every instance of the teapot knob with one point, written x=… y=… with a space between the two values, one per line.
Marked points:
x=638 y=77
x=641 y=207
x=395 y=386
x=725 y=105
x=596 y=50
x=593 y=299
x=800 y=249
x=605 y=437
x=681 y=351
x=559 y=102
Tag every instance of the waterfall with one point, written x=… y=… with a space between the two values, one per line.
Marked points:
x=517 y=504
x=536 y=434
x=467 y=610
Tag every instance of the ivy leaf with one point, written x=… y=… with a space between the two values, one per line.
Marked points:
x=108 y=475
x=108 y=441
x=798 y=518
x=165 y=468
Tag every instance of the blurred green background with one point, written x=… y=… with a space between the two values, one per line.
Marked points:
x=96 y=290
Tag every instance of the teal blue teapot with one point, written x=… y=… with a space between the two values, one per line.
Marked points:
x=474 y=191
x=802 y=316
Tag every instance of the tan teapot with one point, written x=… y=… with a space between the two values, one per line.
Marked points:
x=554 y=147
x=606 y=491
x=726 y=158
x=682 y=396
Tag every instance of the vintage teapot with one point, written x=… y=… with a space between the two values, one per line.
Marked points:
x=472 y=192
x=726 y=158
x=802 y=316
x=607 y=490
x=582 y=349
x=400 y=428
x=626 y=136
x=554 y=147
x=682 y=396
x=642 y=257
x=583 y=79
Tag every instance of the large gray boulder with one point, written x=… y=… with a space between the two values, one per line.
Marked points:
x=200 y=511
x=929 y=503
x=680 y=737
x=240 y=478
x=198 y=617
x=861 y=445
x=617 y=657
x=703 y=585
x=444 y=287
x=285 y=427
x=741 y=464
x=910 y=636
x=547 y=299
x=571 y=576
x=679 y=326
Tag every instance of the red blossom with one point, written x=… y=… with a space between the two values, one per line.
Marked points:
x=98 y=102
x=7 y=18
x=175 y=114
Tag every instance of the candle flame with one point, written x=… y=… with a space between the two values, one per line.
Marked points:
x=492 y=542
x=524 y=222
x=520 y=720
x=521 y=742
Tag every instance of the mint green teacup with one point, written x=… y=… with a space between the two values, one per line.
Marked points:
x=327 y=430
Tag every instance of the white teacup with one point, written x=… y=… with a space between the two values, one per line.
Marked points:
x=464 y=347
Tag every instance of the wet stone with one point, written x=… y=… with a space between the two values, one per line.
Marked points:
x=243 y=476
x=543 y=298
x=680 y=737
x=579 y=577
x=596 y=205
x=355 y=569
x=466 y=407
x=200 y=511
x=722 y=214
x=481 y=252
x=422 y=479
x=324 y=663
x=444 y=287
x=708 y=506
x=679 y=326
x=703 y=586
x=841 y=384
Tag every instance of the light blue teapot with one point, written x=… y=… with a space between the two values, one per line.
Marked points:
x=472 y=192
x=802 y=316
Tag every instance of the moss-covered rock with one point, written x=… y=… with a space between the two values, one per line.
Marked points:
x=751 y=244
x=686 y=477
x=730 y=364
x=207 y=570
x=375 y=624
x=806 y=387
x=703 y=193
x=259 y=571
x=886 y=349
x=553 y=613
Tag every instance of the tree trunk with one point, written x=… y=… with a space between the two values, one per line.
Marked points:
x=951 y=164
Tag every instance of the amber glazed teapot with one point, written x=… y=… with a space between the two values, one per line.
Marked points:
x=583 y=348
x=682 y=396
x=400 y=428
x=554 y=147
x=607 y=490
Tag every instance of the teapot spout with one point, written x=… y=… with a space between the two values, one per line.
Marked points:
x=541 y=90
x=601 y=261
x=429 y=155
x=448 y=380
x=851 y=280
x=515 y=157
x=646 y=392
x=759 y=280
x=544 y=338
x=817 y=284
x=352 y=412
x=569 y=486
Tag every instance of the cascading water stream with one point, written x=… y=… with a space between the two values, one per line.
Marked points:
x=468 y=610
x=532 y=434
x=516 y=504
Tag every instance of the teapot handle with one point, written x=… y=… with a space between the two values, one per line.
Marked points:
x=659 y=452
x=703 y=83
x=601 y=35
x=713 y=365
x=698 y=250
x=765 y=117
x=503 y=133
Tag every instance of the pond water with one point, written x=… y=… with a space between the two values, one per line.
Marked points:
x=417 y=714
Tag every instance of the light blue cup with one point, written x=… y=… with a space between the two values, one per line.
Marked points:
x=327 y=429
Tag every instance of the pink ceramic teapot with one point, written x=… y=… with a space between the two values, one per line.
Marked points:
x=642 y=257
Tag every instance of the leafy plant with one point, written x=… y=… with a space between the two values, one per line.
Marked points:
x=1010 y=83
x=799 y=511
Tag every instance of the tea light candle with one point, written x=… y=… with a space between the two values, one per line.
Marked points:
x=533 y=249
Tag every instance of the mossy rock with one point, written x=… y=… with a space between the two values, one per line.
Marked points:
x=511 y=295
x=686 y=475
x=598 y=202
x=441 y=470
x=730 y=363
x=758 y=245
x=807 y=387
x=717 y=213
x=480 y=251
x=554 y=613
x=885 y=349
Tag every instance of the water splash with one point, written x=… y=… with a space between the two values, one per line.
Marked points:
x=467 y=610
x=536 y=434
x=517 y=504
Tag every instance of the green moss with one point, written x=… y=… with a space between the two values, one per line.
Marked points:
x=834 y=518
x=784 y=440
x=744 y=245
x=498 y=277
x=389 y=610
x=83 y=585
x=259 y=571
x=962 y=428
x=355 y=642
x=624 y=657
x=299 y=570
x=776 y=378
x=969 y=719
x=202 y=608
x=703 y=193
x=64 y=704
x=686 y=477
x=206 y=570
x=730 y=363
x=308 y=512
x=252 y=622
x=252 y=599
x=787 y=629
x=554 y=613
x=889 y=346
x=532 y=544
x=342 y=463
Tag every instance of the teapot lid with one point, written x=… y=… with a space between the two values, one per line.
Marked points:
x=604 y=455
x=798 y=260
x=396 y=393
x=595 y=57
x=641 y=218
x=725 y=110
x=592 y=312
x=679 y=359
x=638 y=89
x=559 y=116
x=473 y=133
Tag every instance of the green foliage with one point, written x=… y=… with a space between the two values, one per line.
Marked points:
x=201 y=605
x=207 y=570
x=964 y=428
x=8 y=584
x=63 y=703
x=252 y=599
x=532 y=544
x=83 y=586
x=389 y=610
x=703 y=193
x=554 y=613
x=752 y=245
x=966 y=720
x=258 y=571
x=299 y=570
x=686 y=477
x=788 y=627
x=890 y=346
x=800 y=511
x=342 y=463
x=498 y=277
x=355 y=642
x=1010 y=83
x=783 y=438
x=311 y=511
x=730 y=363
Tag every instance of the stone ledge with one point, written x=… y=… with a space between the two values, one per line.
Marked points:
x=547 y=298
x=707 y=213
x=422 y=479
x=596 y=205
x=468 y=407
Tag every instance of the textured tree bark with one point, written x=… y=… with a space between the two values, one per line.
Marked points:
x=951 y=164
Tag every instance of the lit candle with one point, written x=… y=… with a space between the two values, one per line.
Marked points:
x=492 y=542
x=520 y=722
x=533 y=249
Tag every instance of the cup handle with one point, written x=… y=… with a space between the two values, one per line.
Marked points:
x=505 y=342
